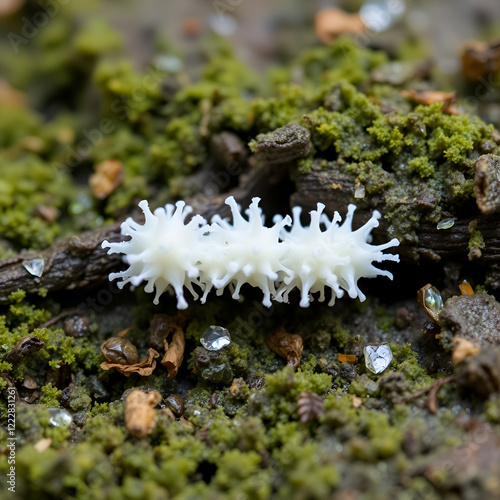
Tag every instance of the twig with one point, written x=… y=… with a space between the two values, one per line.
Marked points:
x=431 y=402
x=55 y=319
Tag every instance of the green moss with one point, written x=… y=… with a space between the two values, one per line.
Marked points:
x=98 y=37
x=385 y=322
x=422 y=166
x=476 y=240
x=26 y=184
x=364 y=386
x=343 y=60
x=492 y=410
x=50 y=395
x=286 y=381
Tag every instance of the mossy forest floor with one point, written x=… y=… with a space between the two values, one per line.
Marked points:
x=244 y=424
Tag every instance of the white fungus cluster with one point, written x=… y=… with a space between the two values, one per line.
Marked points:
x=169 y=254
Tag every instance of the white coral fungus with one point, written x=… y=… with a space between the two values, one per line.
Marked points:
x=170 y=254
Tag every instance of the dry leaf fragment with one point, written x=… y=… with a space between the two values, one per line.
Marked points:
x=140 y=416
x=107 y=177
x=431 y=96
x=144 y=368
x=286 y=345
x=29 y=383
x=46 y=213
x=330 y=23
x=480 y=59
x=347 y=358
x=463 y=348
x=310 y=406
x=163 y=325
x=175 y=353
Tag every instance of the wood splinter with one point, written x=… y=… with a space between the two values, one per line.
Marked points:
x=140 y=415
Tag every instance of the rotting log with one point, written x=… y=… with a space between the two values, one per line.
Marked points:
x=335 y=188
x=79 y=261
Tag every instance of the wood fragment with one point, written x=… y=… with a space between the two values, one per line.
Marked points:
x=286 y=345
x=175 y=353
x=487 y=183
x=57 y=318
x=432 y=242
x=431 y=403
x=463 y=348
x=140 y=416
x=29 y=383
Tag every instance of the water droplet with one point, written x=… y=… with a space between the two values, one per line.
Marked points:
x=169 y=64
x=446 y=223
x=433 y=300
x=59 y=417
x=34 y=266
x=215 y=338
x=380 y=15
x=377 y=357
x=81 y=204
x=224 y=25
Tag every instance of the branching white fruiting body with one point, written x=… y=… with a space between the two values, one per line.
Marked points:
x=170 y=254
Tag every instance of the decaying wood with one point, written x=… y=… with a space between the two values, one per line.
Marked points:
x=79 y=261
x=140 y=415
x=487 y=183
x=336 y=189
